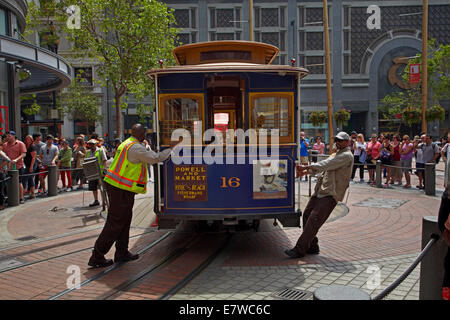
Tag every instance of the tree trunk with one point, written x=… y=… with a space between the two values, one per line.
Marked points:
x=118 y=117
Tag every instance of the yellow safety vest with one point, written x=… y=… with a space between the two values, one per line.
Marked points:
x=124 y=174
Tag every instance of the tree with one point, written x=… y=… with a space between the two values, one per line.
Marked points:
x=79 y=102
x=126 y=37
x=438 y=83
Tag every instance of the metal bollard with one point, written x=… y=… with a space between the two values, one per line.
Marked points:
x=13 y=188
x=432 y=265
x=52 y=181
x=430 y=179
x=378 y=177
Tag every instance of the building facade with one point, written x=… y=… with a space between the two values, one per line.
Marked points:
x=361 y=58
x=25 y=69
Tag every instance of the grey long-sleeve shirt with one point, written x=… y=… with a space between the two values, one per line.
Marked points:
x=138 y=153
x=337 y=170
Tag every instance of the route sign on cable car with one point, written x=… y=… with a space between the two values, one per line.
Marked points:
x=414 y=73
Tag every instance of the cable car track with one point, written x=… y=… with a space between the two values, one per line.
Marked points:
x=111 y=268
x=148 y=272
x=57 y=256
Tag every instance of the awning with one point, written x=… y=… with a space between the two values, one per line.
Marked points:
x=48 y=70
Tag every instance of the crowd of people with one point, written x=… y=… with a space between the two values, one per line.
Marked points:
x=33 y=156
x=396 y=154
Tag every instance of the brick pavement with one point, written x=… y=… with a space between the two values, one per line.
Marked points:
x=253 y=267
x=389 y=239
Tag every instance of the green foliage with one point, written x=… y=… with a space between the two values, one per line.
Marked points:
x=342 y=116
x=126 y=37
x=79 y=102
x=144 y=110
x=435 y=112
x=438 y=64
x=32 y=107
x=411 y=115
x=317 y=118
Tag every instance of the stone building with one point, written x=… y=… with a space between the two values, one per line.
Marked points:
x=361 y=58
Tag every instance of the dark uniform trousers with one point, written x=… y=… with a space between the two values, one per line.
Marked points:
x=315 y=214
x=118 y=221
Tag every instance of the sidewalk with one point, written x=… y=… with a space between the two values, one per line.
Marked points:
x=65 y=214
x=374 y=227
x=382 y=230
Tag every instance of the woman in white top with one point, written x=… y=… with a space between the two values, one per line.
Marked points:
x=359 y=153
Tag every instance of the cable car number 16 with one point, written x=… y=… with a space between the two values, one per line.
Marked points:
x=233 y=182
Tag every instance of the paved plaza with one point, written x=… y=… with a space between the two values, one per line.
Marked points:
x=373 y=229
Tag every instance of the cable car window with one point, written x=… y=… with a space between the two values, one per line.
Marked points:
x=273 y=111
x=180 y=111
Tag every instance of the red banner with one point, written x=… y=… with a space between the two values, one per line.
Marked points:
x=414 y=73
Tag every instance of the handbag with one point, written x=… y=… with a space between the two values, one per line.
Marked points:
x=362 y=157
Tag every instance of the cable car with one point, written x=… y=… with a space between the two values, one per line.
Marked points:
x=238 y=117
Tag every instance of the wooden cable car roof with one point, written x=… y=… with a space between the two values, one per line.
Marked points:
x=227 y=56
x=225 y=51
x=230 y=67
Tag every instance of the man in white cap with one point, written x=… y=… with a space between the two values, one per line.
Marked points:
x=330 y=188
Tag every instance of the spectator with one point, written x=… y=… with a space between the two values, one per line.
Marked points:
x=430 y=152
x=387 y=151
x=420 y=164
x=396 y=173
x=37 y=137
x=98 y=153
x=352 y=143
x=16 y=151
x=359 y=157
x=65 y=158
x=406 y=155
x=330 y=189
x=30 y=166
x=79 y=153
x=318 y=147
x=4 y=161
x=373 y=150
x=48 y=156
x=304 y=144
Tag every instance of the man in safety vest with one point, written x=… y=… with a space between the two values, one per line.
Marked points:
x=126 y=176
x=99 y=153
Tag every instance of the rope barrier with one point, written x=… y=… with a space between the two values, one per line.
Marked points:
x=32 y=174
x=373 y=164
x=390 y=288
x=42 y=172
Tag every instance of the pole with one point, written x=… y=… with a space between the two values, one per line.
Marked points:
x=13 y=188
x=250 y=19
x=424 y=62
x=432 y=264
x=328 y=73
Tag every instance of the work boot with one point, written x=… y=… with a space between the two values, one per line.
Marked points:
x=293 y=253
x=313 y=249
x=314 y=246
x=94 y=204
x=128 y=256
x=98 y=260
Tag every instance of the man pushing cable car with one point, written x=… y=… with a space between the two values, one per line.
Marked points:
x=126 y=176
x=330 y=189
